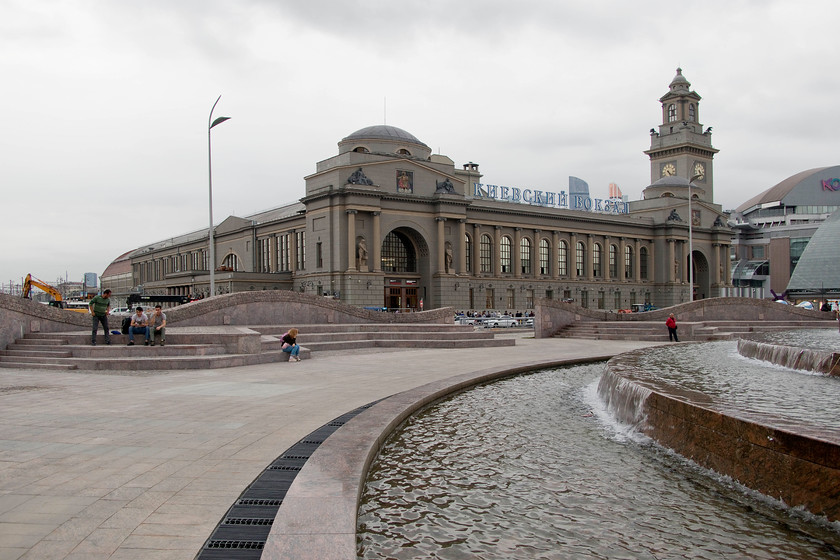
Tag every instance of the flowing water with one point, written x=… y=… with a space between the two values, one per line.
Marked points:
x=533 y=467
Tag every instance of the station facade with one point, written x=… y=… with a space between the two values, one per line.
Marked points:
x=385 y=223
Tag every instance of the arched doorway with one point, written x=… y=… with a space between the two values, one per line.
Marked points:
x=405 y=265
x=702 y=287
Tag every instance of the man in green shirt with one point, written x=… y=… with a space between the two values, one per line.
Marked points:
x=100 y=308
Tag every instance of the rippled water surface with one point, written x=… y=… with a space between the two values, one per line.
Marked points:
x=530 y=467
x=716 y=368
x=822 y=339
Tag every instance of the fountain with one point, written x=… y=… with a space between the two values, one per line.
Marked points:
x=773 y=430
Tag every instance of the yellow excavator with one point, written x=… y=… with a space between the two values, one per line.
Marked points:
x=32 y=282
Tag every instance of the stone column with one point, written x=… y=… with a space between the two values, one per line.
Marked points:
x=670 y=272
x=462 y=247
x=497 y=263
x=715 y=264
x=375 y=245
x=441 y=260
x=637 y=261
x=622 y=270
x=517 y=254
x=606 y=258
x=590 y=257
x=572 y=257
x=293 y=251
x=351 y=240
x=554 y=255
x=476 y=256
x=727 y=271
x=535 y=255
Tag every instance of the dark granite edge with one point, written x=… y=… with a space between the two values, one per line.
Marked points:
x=336 y=473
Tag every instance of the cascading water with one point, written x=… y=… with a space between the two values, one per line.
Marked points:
x=529 y=468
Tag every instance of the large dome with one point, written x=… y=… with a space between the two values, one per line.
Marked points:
x=384 y=132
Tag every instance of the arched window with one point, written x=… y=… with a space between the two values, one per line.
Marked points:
x=562 y=259
x=361 y=150
x=613 y=261
x=398 y=253
x=525 y=255
x=580 y=259
x=643 y=263
x=672 y=112
x=597 y=270
x=468 y=251
x=628 y=261
x=231 y=262
x=545 y=259
x=485 y=254
x=504 y=254
x=403 y=152
x=692 y=112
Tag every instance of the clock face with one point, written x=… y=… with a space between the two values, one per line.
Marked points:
x=699 y=170
x=668 y=170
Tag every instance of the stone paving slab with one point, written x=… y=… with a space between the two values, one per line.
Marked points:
x=98 y=465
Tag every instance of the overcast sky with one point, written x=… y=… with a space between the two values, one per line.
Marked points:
x=103 y=142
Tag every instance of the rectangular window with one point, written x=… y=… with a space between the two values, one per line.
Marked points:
x=580 y=257
x=300 y=249
x=264 y=255
x=504 y=254
x=511 y=298
x=628 y=263
x=613 y=261
x=601 y=300
x=472 y=301
x=758 y=251
x=486 y=254
x=617 y=300
x=549 y=294
x=544 y=257
x=319 y=254
x=584 y=299
x=529 y=299
x=562 y=262
x=284 y=255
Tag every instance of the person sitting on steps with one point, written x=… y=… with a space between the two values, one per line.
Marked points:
x=291 y=346
x=139 y=325
x=157 y=327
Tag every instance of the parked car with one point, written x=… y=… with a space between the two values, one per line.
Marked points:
x=120 y=311
x=503 y=321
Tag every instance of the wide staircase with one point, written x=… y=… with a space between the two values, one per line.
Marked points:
x=703 y=331
x=220 y=347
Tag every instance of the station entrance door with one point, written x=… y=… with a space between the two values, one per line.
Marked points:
x=401 y=295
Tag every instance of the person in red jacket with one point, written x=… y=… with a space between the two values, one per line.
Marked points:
x=671 y=323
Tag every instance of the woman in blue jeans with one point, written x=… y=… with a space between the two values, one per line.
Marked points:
x=290 y=345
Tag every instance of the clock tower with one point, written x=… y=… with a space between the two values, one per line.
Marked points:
x=681 y=147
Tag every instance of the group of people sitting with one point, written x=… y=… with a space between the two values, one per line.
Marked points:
x=151 y=326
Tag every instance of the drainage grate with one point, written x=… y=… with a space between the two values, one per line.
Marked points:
x=243 y=531
x=247 y=521
x=236 y=544
x=258 y=502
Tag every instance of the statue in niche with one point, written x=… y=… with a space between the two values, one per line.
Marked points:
x=444 y=186
x=361 y=254
x=447 y=258
x=673 y=216
x=358 y=178
x=676 y=270
x=718 y=222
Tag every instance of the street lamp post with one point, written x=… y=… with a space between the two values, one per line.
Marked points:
x=211 y=242
x=691 y=242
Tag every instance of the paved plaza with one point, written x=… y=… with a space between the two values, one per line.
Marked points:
x=121 y=465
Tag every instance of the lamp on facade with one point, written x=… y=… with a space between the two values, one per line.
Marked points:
x=691 y=242
x=210 y=124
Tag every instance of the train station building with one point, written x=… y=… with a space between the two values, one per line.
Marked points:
x=386 y=223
